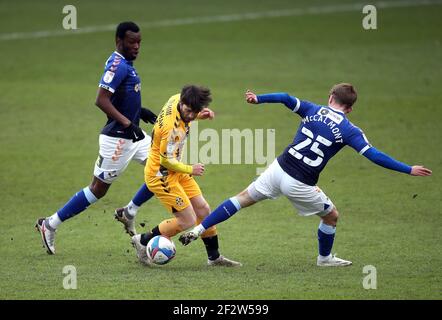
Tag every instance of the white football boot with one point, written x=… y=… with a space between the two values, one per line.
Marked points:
x=47 y=235
x=141 y=250
x=223 y=262
x=332 y=261
x=121 y=214
x=188 y=237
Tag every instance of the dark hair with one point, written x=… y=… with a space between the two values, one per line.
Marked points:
x=123 y=27
x=344 y=93
x=195 y=97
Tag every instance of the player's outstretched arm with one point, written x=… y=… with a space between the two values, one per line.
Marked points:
x=420 y=171
x=388 y=162
x=280 y=97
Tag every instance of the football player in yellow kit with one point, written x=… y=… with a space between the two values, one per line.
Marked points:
x=172 y=181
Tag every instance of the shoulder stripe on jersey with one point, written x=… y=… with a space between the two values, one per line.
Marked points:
x=298 y=104
x=364 y=149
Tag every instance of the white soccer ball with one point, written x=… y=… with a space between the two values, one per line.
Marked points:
x=161 y=249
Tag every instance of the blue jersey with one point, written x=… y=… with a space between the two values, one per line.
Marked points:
x=121 y=78
x=322 y=133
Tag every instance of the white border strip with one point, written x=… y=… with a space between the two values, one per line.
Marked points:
x=364 y=149
x=326 y=9
x=298 y=104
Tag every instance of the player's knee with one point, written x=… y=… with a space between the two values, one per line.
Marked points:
x=203 y=209
x=98 y=191
x=245 y=199
x=99 y=188
x=331 y=218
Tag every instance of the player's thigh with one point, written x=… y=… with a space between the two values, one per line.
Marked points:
x=170 y=193
x=308 y=200
x=113 y=158
x=193 y=192
x=267 y=185
x=330 y=218
x=143 y=149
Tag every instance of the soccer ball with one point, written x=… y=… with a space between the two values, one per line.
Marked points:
x=161 y=250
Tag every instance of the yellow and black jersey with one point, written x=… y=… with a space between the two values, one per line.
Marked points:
x=168 y=139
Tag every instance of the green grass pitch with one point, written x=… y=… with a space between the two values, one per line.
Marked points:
x=49 y=142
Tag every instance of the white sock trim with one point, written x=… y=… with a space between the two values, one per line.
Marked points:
x=132 y=208
x=199 y=229
x=54 y=221
x=322 y=258
x=89 y=195
x=236 y=203
x=326 y=228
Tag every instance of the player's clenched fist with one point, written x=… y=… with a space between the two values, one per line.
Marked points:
x=251 y=97
x=206 y=113
x=198 y=169
x=420 y=171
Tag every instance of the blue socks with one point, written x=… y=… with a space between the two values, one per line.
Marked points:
x=226 y=209
x=326 y=236
x=78 y=203
x=84 y=198
x=142 y=195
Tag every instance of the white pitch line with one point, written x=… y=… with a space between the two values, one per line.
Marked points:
x=315 y=10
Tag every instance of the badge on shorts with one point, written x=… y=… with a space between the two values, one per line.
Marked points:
x=111 y=174
x=99 y=161
x=179 y=201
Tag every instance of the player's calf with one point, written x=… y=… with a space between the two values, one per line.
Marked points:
x=326 y=235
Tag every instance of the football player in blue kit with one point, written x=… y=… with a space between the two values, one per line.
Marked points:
x=324 y=130
x=121 y=140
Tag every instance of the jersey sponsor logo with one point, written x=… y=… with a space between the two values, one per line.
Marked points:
x=108 y=76
x=170 y=147
x=331 y=115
